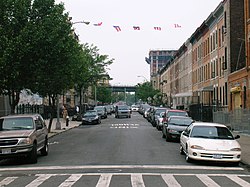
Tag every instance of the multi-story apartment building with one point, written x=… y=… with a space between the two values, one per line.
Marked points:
x=247 y=49
x=210 y=68
x=235 y=35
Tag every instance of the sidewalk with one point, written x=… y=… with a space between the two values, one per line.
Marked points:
x=54 y=131
x=244 y=141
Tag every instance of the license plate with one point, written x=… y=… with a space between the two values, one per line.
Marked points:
x=216 y=156
x=6 y=151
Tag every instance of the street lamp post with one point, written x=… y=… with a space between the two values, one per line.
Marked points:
x=145 y=79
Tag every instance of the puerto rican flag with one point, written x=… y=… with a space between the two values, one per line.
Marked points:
x=98 y=24
x=118 y=29
x=136 y=28
x=157 y=28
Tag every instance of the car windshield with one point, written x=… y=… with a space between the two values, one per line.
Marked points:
x=16 y=124
x=173 y=113
x=211 y=132
x=123 y=108
x=90 y=114
x=159 y=111
x=180 y=121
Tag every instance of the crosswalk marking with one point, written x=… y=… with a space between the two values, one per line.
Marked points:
x=207 y=180
x=7 y=181
x=104 y=180
x=71 y=180
x=136 y=179
x=40 y=180
x=239 y=181
x=170 y=180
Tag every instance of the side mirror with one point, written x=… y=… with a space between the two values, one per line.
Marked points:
x=185 y=133
x=39 y=126
x=237 y=137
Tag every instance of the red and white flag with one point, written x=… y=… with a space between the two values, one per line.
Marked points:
x=157 y=28
x=177 y=26
x=136 y=28
x=98 y=24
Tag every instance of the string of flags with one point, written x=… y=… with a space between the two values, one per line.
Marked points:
x=136 y=27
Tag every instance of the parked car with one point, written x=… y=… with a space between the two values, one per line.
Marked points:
x=155 y=114
x=146 y=113
x=135 y=108
x=91 y=117
x=122 y=111
x=102 y=111
x=109 y=109
x=23 y=136
x=210 y=142
x=175 y=125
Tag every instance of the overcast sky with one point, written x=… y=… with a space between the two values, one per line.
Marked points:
x=129 y=47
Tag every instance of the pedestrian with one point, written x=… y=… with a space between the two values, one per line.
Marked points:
x=65 y=114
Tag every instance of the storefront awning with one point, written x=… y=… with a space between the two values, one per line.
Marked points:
x=184 y=94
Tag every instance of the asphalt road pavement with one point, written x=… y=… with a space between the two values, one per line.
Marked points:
x=118 y=152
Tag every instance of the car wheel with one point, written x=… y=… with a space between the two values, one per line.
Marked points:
x=181 y=150
x=45 y=149
x=187 y=157
x=32 y=156
x=167 y=138
x=163 y=135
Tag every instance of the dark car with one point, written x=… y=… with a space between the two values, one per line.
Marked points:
x=173 y=128
x=102 y=111
x=91 y=117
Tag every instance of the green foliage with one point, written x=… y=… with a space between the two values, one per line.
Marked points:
x=103 y=94
x=145 y=91
x=39 y=51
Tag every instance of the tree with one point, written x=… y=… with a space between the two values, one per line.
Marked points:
x=103 y=94
x=145 y=91
x=90 y=68
x=38 y=49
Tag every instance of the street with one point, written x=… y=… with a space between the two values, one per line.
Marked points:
x=118 y=152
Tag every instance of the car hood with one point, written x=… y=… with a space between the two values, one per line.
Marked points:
x=91 y=117
x=177 y=127
x=15 y=133
x=214 y=144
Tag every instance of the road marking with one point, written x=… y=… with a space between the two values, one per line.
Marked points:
x=207 y=180
x=124 y=126
x=104 y=180
x=38 y=181
x=71 y=180
x=173 y=167
x=170 y=180
x=136 y=179
x=7 y=181
x=239 y=181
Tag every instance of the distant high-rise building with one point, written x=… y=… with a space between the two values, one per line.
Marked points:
x=157 y=60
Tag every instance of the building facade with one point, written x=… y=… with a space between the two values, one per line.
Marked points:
x=210 y=68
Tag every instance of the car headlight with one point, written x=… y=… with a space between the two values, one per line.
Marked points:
x=197 y=147
x=96 y=117
x=236 y=149
x=25 y=141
